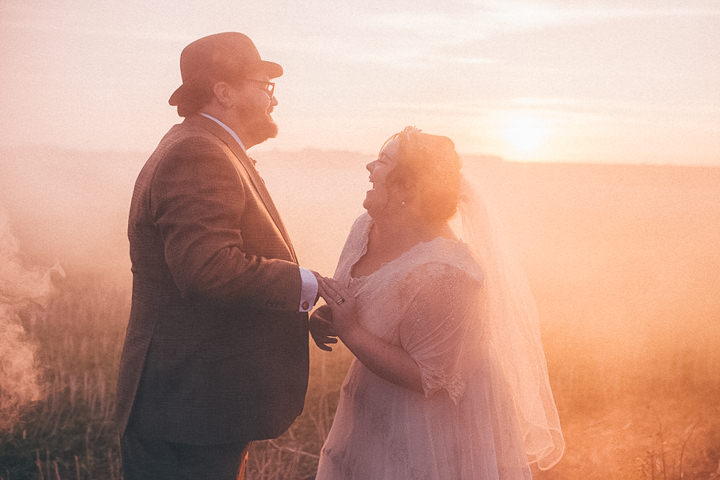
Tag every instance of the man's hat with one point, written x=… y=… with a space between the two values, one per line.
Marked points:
x=222 y=56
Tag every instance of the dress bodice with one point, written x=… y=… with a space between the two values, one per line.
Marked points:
x=384 y=296
x=428 y=302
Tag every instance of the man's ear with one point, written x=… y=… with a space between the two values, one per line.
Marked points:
x=224 y=93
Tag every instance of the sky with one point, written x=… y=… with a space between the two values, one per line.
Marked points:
x=604 y=81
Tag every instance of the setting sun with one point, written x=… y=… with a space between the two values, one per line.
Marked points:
x=525 y=134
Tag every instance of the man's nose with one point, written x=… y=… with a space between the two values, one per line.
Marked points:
x=370 y=166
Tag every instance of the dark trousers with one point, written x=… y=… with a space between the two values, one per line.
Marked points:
x=151 y=459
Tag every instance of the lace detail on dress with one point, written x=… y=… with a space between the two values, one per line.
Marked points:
x=434 y=380
x=441 y=326
x=425 y=302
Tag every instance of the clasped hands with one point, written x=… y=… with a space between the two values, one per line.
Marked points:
x=334 y=319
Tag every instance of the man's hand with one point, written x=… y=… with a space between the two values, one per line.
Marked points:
x=321 y=328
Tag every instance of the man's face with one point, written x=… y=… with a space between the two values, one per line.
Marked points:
x=252 y=109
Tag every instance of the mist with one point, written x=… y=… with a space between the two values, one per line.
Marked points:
x=24 y=289
x=623 y=261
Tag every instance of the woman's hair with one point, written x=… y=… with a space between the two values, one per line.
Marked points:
x=429 y=166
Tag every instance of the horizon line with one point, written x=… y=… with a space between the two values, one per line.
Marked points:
x=489 y=157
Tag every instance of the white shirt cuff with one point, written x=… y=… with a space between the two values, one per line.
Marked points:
x=309 y=291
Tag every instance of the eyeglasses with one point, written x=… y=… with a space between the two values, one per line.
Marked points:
x=268 y=87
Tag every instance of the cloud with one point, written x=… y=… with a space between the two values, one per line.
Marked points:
x=473 y=22
x=613 y=107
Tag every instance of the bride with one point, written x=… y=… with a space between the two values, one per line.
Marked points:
x=449 y=380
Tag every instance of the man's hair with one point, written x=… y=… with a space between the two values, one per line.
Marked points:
x=196 y=99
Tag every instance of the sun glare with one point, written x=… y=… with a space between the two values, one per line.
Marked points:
x=525 y=134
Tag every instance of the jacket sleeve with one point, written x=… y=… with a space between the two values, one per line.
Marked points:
x=197 y=200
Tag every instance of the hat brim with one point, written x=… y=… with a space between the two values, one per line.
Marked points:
x=272 y=69
x=177 y=95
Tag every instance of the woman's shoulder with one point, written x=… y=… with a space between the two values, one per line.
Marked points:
x=444 y=259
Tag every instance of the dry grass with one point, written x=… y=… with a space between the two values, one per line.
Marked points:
x=70 y=434
x=619 y=423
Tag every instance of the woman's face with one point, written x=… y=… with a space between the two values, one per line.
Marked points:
x=381 y=199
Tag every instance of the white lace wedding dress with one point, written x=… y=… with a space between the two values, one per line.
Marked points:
x=462 y=426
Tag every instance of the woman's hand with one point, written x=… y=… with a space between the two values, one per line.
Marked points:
x=341 y=303
x=321 y=328
x=384 y=359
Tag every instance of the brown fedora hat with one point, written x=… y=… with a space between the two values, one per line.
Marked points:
x=222 y=56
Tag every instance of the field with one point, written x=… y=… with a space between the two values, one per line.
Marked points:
x=623 y=261
x=622 y=429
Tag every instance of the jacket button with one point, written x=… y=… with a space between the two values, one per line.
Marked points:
x=305 y=305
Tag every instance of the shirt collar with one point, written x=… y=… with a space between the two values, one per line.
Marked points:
x=227 y=129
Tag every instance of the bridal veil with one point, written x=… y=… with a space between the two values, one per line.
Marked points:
x=513 y=334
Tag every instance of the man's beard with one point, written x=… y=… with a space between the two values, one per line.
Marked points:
x=258 y=126
x=262 y=130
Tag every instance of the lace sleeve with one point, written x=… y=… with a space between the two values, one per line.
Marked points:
x=437 y=324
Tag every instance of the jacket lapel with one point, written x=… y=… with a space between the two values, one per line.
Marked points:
x=249 y=165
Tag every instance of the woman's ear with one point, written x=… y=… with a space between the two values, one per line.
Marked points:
x=411 y=192
x=407 y=193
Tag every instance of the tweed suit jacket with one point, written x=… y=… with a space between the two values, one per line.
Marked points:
x=215 y=349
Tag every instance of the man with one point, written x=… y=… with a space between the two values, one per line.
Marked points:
x=216 y=350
